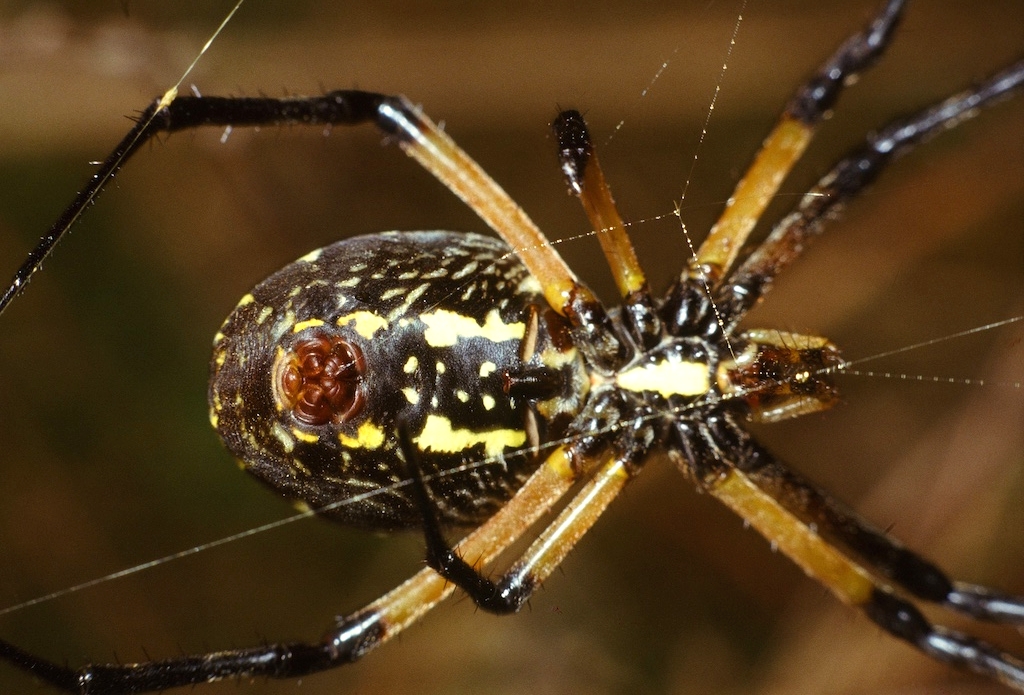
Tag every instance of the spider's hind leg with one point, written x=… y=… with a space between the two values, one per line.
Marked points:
x=861 y=565
x=506 y=596
x=513 y=588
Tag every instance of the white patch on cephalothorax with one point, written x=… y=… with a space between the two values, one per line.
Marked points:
x=669 y=377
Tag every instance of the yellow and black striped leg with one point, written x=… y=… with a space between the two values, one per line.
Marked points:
x=843 y=552
x=593 y=331
x=418 y=137
x=787 y=142
x=586 y=180
x=754 y=277
x=399 y=608
x=349 y=639
x=856 y=586
x=886 y=556
x=513 y=588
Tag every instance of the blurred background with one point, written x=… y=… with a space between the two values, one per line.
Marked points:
x=108 y=460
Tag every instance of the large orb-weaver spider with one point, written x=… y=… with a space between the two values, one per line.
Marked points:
x=621 y=195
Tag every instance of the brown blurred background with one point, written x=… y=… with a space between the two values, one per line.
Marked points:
x=108 y=460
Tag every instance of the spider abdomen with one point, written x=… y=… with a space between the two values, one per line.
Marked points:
x=315 y=368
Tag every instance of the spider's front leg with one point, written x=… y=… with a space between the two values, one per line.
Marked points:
x=860 y=564
x=749 y=283
x=806 y=109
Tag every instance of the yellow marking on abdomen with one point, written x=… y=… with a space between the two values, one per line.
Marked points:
x=283 y=436
x=445 y=328
x=439 y=435
x=312 y=256
x=265 y=313
x=308 y=323
x=307 y=437
x=368 y=436
x=365 y=323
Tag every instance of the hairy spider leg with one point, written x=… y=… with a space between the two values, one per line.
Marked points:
x=753 y=278
x=790 y=511
x=585 y=179
x=734 y=470
x=808 y=106
x=801 y=520
x=350 y=638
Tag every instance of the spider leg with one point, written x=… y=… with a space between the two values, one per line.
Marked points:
x=754 y=277
x=803 y=523
x=514 y=587
x=786 y=143
x=418 y=137
x=593 y=330
x=585 y=179
x=349 y=639
x=886 y=556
